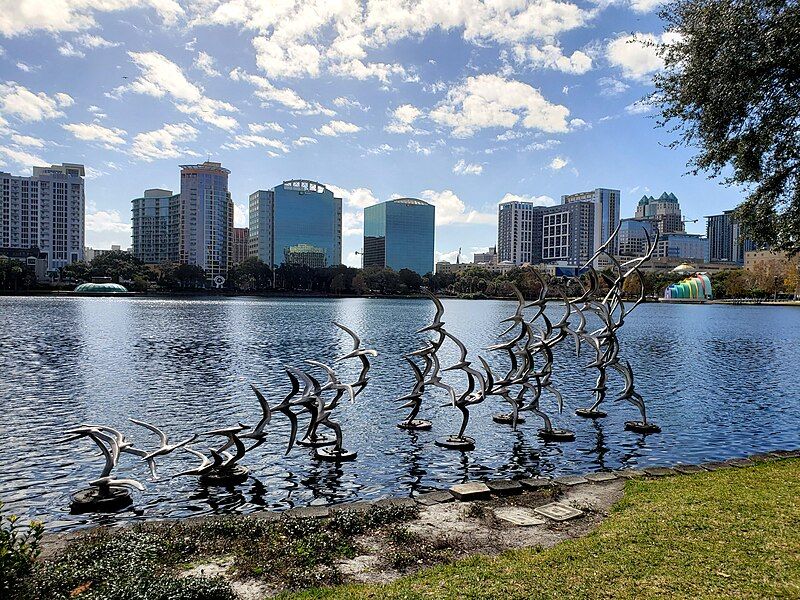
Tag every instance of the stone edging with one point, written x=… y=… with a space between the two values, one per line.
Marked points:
x=482 y=490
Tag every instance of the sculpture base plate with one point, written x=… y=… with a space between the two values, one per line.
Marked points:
x=332 y=455
x=639 y=427
x=318 y=442
x=235 y=474
x=588 y=413
x=506 y=419
x=557 y=435
x=453 y=442
x=415 y=424
x=92 y=500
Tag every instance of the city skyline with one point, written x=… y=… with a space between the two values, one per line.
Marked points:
x=554 y=107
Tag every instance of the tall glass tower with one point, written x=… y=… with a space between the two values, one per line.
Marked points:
x=399 y=234
x=298 y=222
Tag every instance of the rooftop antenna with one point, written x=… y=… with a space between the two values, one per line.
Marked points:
x=458 y=257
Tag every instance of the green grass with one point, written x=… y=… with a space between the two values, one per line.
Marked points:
x=732 y=533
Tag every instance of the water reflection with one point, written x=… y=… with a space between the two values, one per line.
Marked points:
x=719 y=380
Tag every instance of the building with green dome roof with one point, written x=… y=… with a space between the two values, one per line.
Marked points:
x=665 y=211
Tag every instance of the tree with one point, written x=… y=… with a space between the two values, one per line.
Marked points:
x=118 y=265
x=252 y=274
x=731 y=88
x=16 y=275
x=190 y=276
x=410 y=279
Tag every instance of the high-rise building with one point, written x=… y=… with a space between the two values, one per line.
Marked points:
x=399 y=234
x=45 y=211
x=606 y=217
x=726 y=242
x=633 y=235
x=517 y=242
x=567 y=232
x=688 y=246
x=297 y=222
x=155 y=224
x=664 y=210
x=206 y=218
x=486 y=258
x=241 y=242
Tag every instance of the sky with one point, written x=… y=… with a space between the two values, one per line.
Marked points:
x=462 y=103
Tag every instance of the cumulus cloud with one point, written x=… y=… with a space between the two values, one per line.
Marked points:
x=551 y=56
x=277 y=60
x=493 y=101
x=637 y=55
x=164 y=143
x=450 y=209
x=67 y=49
x=462 y=167
x=205 y=62
x=24 y=159
x=262 y=127
x=251 y=141
x=241 y=215
x=403 y=118
x=344 y=102
x=106 y=227
x=640 y=107
x=304 y=141
x=611 y=87
x=644 y=6
x=160 y=77
x=287 y=97
x=18 y=101
x=356 y=199
x=558 y=163
x=19 y=17
x=335 y=128
x=92 y=132
x=27 y=140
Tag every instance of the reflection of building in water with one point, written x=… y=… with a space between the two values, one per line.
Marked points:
x=304 y=254
x=294 y=213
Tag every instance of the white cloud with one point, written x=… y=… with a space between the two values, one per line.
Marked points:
x=403 y=118
x=92 y=132
x=462 y=167
x=640 y=107
x=450 y=209
x=343 y=102
x=493 y=101
x=304 y=141
x=241 y=215
x=335 y=128
x=358 y=69
x=95 y=41
x=24 y=159
x=67 y=49
x=18 y=101
x=295 y=60
x=26 y=68
x=558 y=163
x=163 y=143
x=579 y=124
x=450 y=257
x=19 y=17
x=161 y=77
x=285 y=96
x=637 y=55
x=353 y=260
x=251 y=141
x=611 y=87
x=352 y=223
x=27 y=140
x=262 y=127
x=536 y=200
x=415 y=146
x=205 y=63
x=644 y=6
x=105 y=228
x=551 y=56
x=355 y=198
x=545 y=145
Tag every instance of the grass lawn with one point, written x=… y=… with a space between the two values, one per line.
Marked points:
x=729 y=533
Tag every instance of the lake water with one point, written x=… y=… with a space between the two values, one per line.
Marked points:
x=721 y=381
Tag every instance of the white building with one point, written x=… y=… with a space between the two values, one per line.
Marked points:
x=45 y=211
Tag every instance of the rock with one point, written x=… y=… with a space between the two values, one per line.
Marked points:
x=504 y=487
x=537 y=483
x=629 y=473
x=715 y=465
x=558 y=511
x=360 y=506
x=764 y=457
x=431 y=498
x=600 y=477
x=688 y=469
x=659 y=471
x=470 y=491
x=571 y=480
x=517 y=515
x=739 y=462
x=396 y=502
x=308 y=512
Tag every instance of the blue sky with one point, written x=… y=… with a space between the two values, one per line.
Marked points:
x=462 y=103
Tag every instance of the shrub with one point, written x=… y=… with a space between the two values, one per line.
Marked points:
x=19 y=547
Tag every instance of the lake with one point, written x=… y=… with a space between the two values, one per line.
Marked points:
x=721 y=381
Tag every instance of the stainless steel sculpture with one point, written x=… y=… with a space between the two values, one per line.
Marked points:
x=612 y=313
x=107 y=493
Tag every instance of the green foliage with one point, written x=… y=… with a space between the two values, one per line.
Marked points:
x=410 y=279
x=19 y=547
x=730 y=89
x=252 y=274
x=16 y=275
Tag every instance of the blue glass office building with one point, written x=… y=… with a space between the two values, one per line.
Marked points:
x=398 y=234
x=297 y=222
